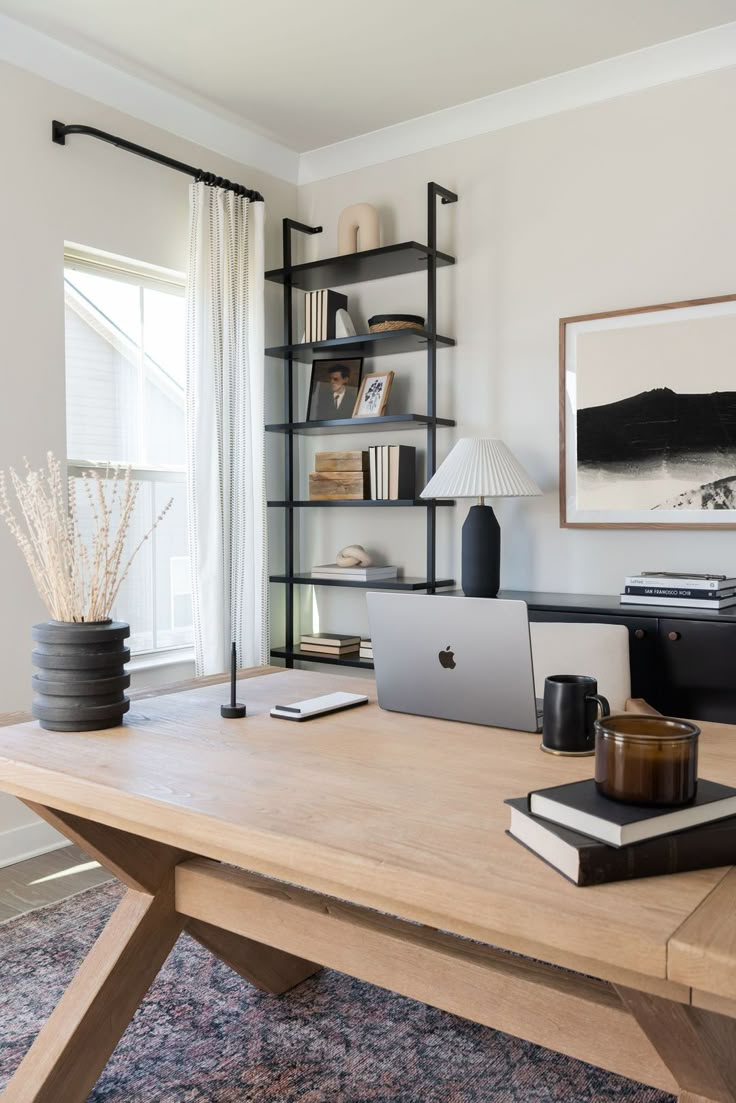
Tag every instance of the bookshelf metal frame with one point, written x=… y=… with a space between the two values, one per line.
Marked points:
x=403 y=258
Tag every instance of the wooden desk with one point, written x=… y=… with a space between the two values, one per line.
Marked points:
x=352 y=842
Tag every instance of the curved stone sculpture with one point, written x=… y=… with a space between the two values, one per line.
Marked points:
x=358 y=223
x=354 y=555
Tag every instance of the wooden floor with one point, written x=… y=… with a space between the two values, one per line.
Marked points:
x=46 y=880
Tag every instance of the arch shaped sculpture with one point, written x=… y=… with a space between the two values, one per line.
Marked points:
x=358 y=223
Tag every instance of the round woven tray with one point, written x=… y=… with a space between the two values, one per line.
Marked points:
x=380 y=324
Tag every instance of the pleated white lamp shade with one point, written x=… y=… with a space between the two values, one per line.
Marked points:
x=480 y=469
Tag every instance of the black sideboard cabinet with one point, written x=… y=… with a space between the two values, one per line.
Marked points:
x=683 y=661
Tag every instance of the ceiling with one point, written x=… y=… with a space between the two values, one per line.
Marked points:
x=311 y=74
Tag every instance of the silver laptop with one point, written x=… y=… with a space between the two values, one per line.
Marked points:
x=456 y=658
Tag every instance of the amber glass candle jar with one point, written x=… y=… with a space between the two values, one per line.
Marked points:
x=646 y=759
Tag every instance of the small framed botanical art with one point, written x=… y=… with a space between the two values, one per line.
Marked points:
x=648 y=417
x=333 y=388
x=373 y=394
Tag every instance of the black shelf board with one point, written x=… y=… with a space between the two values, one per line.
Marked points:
x=406 y=583
x=332 y=660
x=385 y=424
x=371 y=264
x=364 y=502
x=363 y=344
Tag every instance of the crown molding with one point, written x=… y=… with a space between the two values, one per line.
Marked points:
x=53 y=60
x=678 y=59
x=693 y=55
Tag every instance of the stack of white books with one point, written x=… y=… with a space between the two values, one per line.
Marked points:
x=354 y=574
x=685 y=591
x=366 y=649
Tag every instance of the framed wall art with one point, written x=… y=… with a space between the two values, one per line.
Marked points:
x=373 y=395
x=648 y=417
x=333 y=388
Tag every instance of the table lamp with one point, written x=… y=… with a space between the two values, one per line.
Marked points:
x=480 y=469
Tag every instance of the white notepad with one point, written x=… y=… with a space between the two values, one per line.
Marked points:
x=318 y=706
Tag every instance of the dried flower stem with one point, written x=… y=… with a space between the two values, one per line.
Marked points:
x=77 y=580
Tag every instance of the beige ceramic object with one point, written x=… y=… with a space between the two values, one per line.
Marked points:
x=354 y=555
x=357 y=225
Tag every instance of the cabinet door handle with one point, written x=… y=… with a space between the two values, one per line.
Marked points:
x=639 y=634
x=673 y=636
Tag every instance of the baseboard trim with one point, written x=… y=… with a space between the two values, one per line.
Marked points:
x=31 y=839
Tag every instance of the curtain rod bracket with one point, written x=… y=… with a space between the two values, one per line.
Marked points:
x=59 y=132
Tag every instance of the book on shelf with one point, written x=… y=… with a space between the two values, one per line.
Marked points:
x=679 y=602
x=586 y=861
x=338 y=652
x=677 y=581
x=392 y=472
x=331 y=639
x=679 y=591
x=579 y=806
x=354 y=574
x=321 y=309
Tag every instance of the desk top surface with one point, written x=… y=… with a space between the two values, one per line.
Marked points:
x=400 y=813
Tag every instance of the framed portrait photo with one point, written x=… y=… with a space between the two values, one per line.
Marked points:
x=648 y=417
x=333 y=388
x=373 y=395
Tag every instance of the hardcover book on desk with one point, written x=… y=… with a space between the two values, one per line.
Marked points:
x=579 y=806
x=586 y=861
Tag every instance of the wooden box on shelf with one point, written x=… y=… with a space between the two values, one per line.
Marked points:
x=340 y=485
x=339 y=475
x=341 y=461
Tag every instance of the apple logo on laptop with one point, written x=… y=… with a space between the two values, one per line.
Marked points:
x=447 y=659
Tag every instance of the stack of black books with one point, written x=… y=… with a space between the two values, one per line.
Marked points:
x=592 y=840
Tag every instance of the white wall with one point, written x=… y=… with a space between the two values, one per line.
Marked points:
x=620 y=204
x=95 y=195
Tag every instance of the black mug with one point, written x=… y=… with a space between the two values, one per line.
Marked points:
x=572 y=705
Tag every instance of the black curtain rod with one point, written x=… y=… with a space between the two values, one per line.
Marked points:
x=59 y=132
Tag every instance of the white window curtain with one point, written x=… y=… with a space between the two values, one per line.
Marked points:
x=225 y=435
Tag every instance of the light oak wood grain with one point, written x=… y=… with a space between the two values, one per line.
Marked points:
x=367 y=813
x=266 y=968
x=139 y=863
x=399 y=813
x=73 y=1047
x=697 y=1046
x=702 y=953
x=567 y=1012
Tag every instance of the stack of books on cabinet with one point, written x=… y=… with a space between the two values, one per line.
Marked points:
x=686 y=591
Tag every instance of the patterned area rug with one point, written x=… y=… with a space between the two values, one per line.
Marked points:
x=205 y=1036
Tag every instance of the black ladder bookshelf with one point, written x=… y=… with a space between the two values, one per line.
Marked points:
x=391 y=260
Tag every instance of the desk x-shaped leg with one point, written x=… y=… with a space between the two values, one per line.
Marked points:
x=67 y=1057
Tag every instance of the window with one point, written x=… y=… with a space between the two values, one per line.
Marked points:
x=125 y=406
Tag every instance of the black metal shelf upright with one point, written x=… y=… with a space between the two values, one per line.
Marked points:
x=391 y=260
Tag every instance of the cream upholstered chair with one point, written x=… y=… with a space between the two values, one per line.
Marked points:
x=599 y=650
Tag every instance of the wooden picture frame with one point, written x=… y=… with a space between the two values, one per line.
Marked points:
x=647 y=408
x=373 y=394
x=324 y=384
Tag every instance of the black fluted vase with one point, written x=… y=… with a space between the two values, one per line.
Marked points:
x=81 y=680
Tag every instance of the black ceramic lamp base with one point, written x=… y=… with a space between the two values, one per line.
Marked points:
x=481 y=564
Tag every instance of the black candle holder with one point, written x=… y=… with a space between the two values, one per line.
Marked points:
x=236 y=709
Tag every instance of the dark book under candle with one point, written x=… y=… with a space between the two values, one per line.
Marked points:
x=679 y=602
x=585 y=861
x=579 y=805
